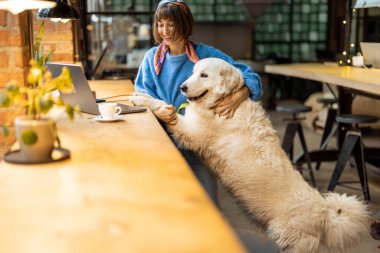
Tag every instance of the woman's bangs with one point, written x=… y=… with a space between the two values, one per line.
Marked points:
x=165 y=12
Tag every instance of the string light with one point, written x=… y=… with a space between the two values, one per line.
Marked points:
x=344 y=22
x=352 y=45
x=344 y=53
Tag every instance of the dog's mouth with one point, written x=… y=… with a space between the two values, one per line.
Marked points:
x=192 y=99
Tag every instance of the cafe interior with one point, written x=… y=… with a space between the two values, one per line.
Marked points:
x=121 y=185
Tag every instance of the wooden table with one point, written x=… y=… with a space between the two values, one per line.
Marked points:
x=358 y=79
x=348 y=79
x=126 y=188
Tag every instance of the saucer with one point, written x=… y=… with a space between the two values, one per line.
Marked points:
x=58 y=154
x=115 y=118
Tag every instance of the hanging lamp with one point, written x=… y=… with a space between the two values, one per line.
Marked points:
x=17 y=6
x=61 y=12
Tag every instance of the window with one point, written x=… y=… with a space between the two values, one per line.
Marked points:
x=118 y=34
x=292 y=29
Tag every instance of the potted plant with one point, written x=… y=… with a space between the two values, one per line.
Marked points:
x=30 y=103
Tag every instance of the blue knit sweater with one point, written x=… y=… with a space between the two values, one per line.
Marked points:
x=176 y=69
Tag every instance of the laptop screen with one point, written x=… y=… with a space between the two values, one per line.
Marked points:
x=82 y=94
x=371 y=53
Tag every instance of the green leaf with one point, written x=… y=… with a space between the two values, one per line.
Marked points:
x=29 y=137
x=70 y=112
x=5 y=101
x=11 y=94
x=64 y=81
x=46 y=103
x=12 y=88
x=59 y=102
x=5 y=130
x=37 y=43
x=48 y=57
x=182 y=106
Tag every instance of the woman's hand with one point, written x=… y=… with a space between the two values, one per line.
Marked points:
x=229 y=104
x=167 y=114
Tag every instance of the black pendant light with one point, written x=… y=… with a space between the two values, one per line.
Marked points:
x=62 y=12
x=17 y=6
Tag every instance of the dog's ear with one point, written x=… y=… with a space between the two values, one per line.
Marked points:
x=232 y=79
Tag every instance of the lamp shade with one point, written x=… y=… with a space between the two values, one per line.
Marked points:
x=62 y=12
x=17 y=6
x=367 y=3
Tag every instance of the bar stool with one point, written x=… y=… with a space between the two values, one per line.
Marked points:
x=293 y=128
x=329 y=130
x=352 y=146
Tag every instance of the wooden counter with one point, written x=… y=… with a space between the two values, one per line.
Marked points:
x=126 y=188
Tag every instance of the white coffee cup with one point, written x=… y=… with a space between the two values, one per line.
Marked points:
x=109 y=110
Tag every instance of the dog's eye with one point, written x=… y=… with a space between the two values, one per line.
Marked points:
x=203 y=75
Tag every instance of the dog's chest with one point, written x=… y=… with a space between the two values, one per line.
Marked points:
x=213 y=128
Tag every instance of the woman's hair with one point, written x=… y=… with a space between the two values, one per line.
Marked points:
x=181 y=16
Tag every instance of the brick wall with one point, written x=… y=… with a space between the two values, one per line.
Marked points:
x=58 y=37
x=14 y=53
x=13 y=47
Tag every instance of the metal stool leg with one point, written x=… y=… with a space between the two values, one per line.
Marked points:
x=287 y=141
x=361 y=168
x=344 y=155
x=306 y=154
x=328 y=131
x=331 y=115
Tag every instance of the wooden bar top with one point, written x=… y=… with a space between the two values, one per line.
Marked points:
x=126 y=188
x=366 y=80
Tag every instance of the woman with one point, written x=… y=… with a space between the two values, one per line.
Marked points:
x=166 y=66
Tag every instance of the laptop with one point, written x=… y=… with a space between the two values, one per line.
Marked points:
x=82 y=94
x=371 y=53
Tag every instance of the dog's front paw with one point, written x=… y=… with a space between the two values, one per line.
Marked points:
x=139 y=100
x=143 y=99
x=137 y=94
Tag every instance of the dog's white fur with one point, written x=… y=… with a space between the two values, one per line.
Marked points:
x=245 y=152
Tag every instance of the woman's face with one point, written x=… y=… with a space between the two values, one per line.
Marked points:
x=166 y=31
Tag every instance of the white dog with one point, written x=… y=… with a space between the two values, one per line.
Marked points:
x=245 y=152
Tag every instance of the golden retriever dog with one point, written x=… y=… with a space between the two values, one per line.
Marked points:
x=245 y=153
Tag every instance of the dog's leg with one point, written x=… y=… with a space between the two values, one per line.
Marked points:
x=187 y=135
x=143 y=99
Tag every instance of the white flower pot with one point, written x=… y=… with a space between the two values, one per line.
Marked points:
x=35 y=137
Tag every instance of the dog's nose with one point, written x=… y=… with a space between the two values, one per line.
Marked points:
x=183 y=87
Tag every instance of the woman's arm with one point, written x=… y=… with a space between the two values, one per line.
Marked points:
x=145 y=82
